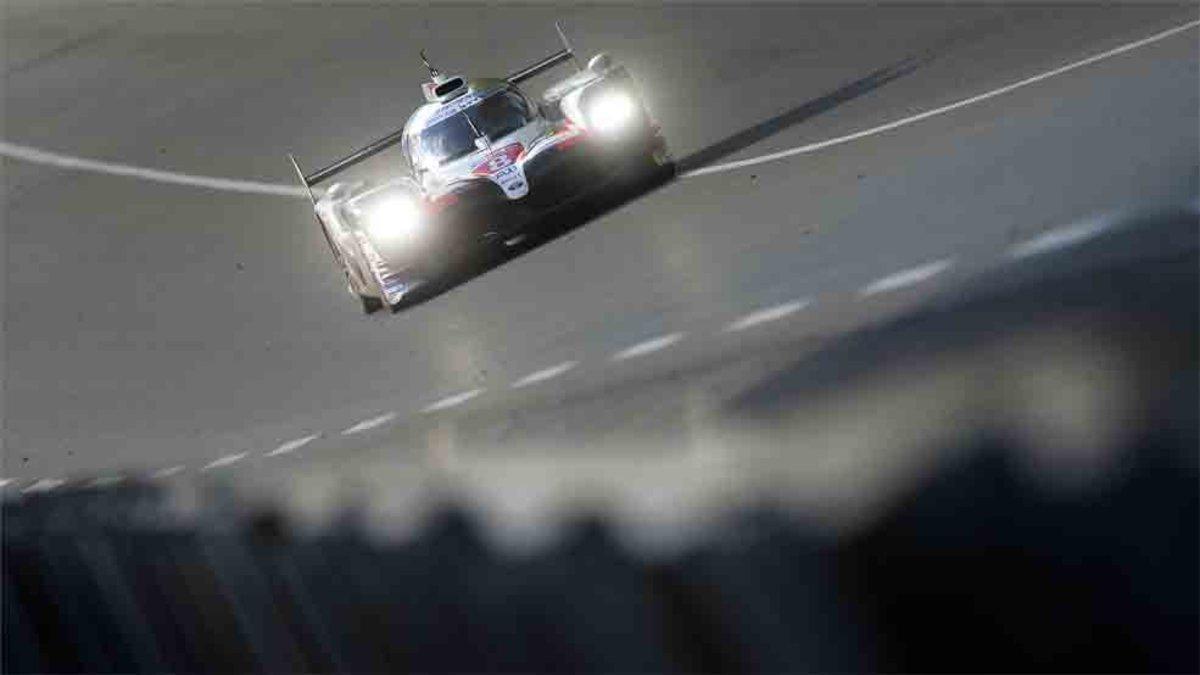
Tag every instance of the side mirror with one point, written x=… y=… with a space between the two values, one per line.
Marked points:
x=600 y=63
x=550 y=111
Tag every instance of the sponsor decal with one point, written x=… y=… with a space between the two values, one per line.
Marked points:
x=454 y=107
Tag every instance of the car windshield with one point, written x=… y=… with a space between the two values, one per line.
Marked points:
x=495 y=117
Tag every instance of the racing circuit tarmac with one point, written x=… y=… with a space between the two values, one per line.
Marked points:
x=152 y=327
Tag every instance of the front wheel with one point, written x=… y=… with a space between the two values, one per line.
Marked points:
x=651 y=167
x=370 y=304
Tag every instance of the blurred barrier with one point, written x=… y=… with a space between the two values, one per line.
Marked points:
x=1057 y=531
x=977 y=569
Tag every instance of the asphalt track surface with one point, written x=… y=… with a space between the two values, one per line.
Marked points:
x=166 y=328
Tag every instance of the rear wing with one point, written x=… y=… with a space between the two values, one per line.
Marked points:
x=561 y=56
x=366 y=152
x=375 y=147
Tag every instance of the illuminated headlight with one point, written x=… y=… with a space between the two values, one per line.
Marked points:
x=612 y=111
x=394 y=219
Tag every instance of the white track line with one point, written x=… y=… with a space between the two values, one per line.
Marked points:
x=649 y=346
x=908 y=277
x=293 y=445
x=820 y=145
x=167 y=472
x=767 y=314
x=1057 y=238
x=4 y=482
x=367 y=425
x=34 y=155
x=44 y=485
x=545 y=374
x=224 y=461
x=451 y=401
x=106 y=481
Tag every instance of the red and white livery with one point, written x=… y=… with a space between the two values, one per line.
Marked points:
x=485 y=166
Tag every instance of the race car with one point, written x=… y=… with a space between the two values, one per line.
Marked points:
x=486 y=165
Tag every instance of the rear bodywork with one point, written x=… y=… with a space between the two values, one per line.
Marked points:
x=484 y=166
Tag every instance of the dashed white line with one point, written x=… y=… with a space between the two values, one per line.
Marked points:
x=908 y=277
x=451 y=401
x=648 y=347
x=167 y=472
x=224 y=461
x=44 y=485
x=545 y=374
x=767 y=314
x=1058 y=238
x=293 y=445
x=367 y=425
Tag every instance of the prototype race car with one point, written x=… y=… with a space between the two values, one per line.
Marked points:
x=487 y=165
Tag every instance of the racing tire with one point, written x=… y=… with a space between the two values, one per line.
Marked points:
x=370 y=304
x=650 y=169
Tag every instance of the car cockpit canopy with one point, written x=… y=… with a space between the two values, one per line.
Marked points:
x=443 y=132
x=448 y=92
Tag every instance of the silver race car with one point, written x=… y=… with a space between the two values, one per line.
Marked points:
x=487 y=167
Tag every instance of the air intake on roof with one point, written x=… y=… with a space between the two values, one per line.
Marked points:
x=448 y=86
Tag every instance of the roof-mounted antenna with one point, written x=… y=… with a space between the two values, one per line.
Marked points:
x=478 y=134
x=567 y=45
x=433 y=72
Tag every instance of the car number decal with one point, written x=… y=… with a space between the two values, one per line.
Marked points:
x=511 y=179
x=501 y=167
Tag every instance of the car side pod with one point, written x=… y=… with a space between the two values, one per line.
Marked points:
x=370 y=305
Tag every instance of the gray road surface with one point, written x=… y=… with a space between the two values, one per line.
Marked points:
x=151 y=326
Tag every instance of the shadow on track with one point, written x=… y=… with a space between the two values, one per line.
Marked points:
x=843 y=94
x=781 y=122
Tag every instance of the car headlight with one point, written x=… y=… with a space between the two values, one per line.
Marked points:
x=612 y=111
x=394 y=219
